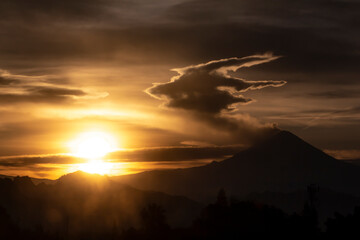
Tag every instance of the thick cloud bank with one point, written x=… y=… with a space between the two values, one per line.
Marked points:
x=208 y=87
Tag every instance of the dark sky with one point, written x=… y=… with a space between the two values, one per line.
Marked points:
x=169 y=74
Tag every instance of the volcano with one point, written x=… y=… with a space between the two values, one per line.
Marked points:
x=280 y=163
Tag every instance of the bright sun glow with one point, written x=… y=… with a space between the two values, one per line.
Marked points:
x=96 y=166
x=93 y=145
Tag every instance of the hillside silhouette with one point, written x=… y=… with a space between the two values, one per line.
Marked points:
x=275 y=171
x=281 y=163
x=224 y=218
x=81 y=204
x=281 y=187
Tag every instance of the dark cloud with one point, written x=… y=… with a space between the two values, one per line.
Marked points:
x=35 y=89
x=192 y=43
x=51 y=9
x=337 y=94
x=44 y=95
x=81 y=14
x=175 y=153
x=315 y=36
x=319 y=39
x=208 y=88
x=22 y=161
x=296 y=13
x=56 y=91
x=331 y=113
x=165 y=154
x=7 y=81
x=345 y=119
x=208 y=92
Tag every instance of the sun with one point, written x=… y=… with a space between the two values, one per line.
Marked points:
x=96 y=166
x=92 y=145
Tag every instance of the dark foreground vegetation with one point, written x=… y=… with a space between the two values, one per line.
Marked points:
x=224 y=219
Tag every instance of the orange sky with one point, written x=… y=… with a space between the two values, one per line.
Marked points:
x=64 y=73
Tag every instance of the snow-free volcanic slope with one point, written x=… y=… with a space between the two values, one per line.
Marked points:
x=281 y=163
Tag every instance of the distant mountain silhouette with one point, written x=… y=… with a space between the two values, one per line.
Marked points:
x=353 y=161
x=34 y=180
x=281 y=163
x=81 y=203
x=277 y=171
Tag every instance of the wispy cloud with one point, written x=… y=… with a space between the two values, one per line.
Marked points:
x=16 y=88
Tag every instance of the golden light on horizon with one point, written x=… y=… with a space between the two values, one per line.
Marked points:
x=93 y=146
x=96 y=166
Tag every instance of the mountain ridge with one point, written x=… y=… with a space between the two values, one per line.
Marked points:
x=281 y=163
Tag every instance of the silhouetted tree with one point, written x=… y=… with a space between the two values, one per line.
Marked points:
x=221 y=198
x=344 y=226
x=7 y=229
x=313 y=191
x=310 y=214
